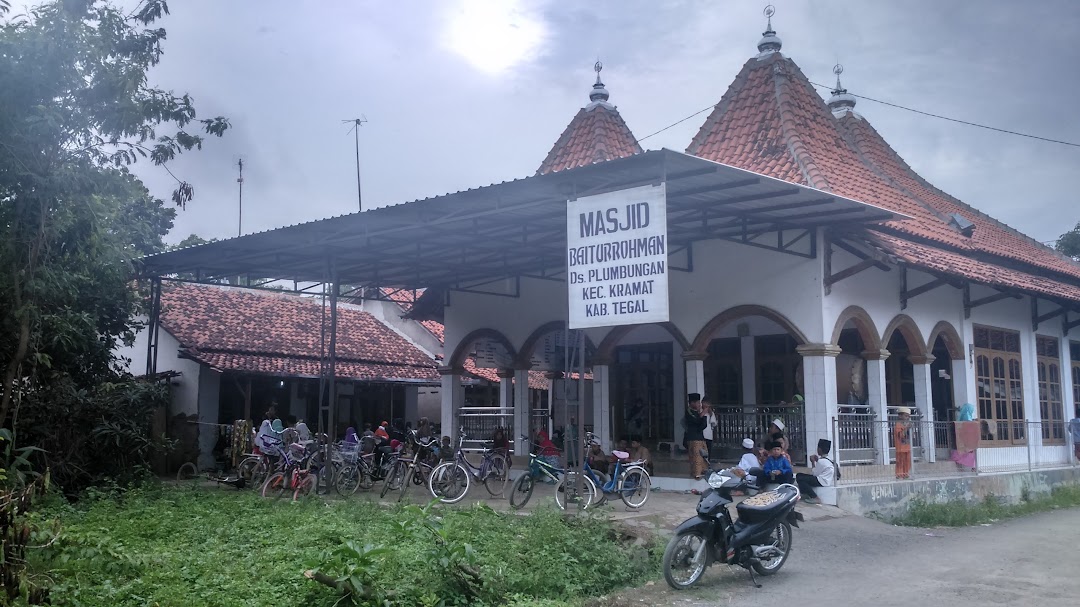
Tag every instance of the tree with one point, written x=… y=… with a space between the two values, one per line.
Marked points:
x=75 y=110
x=1069 y=243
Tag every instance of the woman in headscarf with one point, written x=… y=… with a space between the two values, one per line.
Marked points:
x=350 y=436
x=546 y=450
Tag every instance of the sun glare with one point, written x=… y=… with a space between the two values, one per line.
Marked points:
x=495 y=35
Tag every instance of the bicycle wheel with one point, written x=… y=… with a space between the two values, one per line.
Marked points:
x=306 y=487
x=275 y=485
x=365 y=476
x=449 y=482
x=407 y=477
x=566 y=491
x=497 y=476
x=521 y=491
x=393 y=478
x=634 y=487
x=253 y=471
x=348 y=480
x=186 y=472
x=324 y=480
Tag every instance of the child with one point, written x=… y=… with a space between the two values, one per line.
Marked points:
x=777 y=467
x=902 y=443
x=749 y=460
x=824 y=473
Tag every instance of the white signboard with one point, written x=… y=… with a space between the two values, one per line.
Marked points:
x=617 y=258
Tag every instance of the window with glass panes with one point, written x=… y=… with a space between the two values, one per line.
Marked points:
x=777 y=362
x=723 y=372
x=1051 y=408
x=999 y=385
x=1074 y=354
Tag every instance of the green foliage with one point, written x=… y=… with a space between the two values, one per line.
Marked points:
x=99 y=435
x=77 y=110
x=991 y=509
x=1069 y=243
x=181 y=547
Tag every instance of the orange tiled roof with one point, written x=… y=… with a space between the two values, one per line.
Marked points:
x=279 y=334
x=405 y=299
x=772 y=121
x=596 y=134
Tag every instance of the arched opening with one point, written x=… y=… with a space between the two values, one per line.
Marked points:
x=645 y=364
x=905 y=344
x=752 y=375
x=545 y=353
x=942 y=393
x=857 y=338
x=480 y=355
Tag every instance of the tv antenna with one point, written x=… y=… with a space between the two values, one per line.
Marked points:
x=240 y=198
x=357 y=123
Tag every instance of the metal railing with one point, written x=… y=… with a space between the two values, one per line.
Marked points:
x=736 y=422
x=865 y=450
x=480 y=423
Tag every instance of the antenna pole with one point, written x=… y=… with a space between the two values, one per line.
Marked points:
x=359 y=198
x=240 y=201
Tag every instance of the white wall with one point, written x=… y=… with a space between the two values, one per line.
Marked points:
x=185 y=389
x=389 y=313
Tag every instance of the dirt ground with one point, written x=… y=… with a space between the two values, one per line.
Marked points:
x=849 y=560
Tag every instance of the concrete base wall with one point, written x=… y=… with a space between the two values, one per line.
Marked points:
x=892 y=498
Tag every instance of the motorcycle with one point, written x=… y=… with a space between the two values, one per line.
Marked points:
x=759 y=541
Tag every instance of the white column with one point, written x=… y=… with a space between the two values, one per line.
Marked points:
x=506 y=388
x=819 y=379
x=748 y=358
x=602 y=405
x=452 y=394
x=877 y=400
x=695 y=383
x=924 y=402
x=521 y=411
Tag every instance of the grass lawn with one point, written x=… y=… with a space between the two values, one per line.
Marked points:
x=173 y=546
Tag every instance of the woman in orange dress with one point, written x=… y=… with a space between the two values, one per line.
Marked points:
x=902 y=442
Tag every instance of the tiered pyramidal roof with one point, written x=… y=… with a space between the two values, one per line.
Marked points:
x=772 y=121
x=596 y=134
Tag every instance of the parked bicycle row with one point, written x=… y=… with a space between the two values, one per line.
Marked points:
x=305 y=467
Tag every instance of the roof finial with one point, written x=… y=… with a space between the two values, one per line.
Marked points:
x=770 y=42
x=841 y=101
x=598 y=94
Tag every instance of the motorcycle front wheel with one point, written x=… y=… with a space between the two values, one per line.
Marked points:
x=781 y=541
x=680 y=569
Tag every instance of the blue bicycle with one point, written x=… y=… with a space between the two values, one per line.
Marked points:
x=567 y=490
x=629 y=480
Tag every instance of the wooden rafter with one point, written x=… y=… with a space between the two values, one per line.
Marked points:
x=866 y=263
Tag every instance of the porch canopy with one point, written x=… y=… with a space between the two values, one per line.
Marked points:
x=518 y=228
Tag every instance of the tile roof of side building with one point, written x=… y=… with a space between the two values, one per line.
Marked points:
x=771 y=120
x=279 y=334
x=596 y=134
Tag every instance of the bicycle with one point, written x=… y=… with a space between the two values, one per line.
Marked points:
x=293 y=470
x=629 y=480
x=450 y=480
x=565 y=481
x=357 y=469
x=419 y=467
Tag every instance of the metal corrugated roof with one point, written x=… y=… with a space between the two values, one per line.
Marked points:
x=513 y=228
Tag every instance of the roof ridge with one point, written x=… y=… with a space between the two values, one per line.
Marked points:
x=812 y=173
x=964 y=206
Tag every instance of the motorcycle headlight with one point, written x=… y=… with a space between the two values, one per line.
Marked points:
x=717 y=480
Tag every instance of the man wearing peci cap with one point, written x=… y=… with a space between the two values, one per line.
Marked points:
x=694 y=422
x=749 y=460
x=824 y=472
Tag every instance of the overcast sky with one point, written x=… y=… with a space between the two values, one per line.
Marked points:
x=463 y=93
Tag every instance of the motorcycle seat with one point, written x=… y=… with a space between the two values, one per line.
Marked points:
x=765 y=505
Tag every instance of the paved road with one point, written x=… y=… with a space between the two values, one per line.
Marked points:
x=856 y=561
